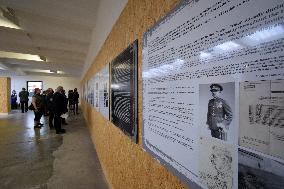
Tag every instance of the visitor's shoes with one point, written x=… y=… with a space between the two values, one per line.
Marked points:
x=61 y=131
x=37 y=126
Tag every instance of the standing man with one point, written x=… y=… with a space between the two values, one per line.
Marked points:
x=49 y=101
x=219 y=115
x=38 y=108
x=58 y=109
x=76 y=100
x=24 y=99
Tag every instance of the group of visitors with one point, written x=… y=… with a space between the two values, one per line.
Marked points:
x=24 y=98
x=54 y=104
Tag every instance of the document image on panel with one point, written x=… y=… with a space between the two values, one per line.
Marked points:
x=262 y=116
x=215 y=163
x=259 y=172
x=216 y=110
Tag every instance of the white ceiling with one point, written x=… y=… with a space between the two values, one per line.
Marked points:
x=60 y=30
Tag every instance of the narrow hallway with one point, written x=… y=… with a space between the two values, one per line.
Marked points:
x=38 y=158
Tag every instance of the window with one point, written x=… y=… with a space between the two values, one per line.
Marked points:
x=31 y=85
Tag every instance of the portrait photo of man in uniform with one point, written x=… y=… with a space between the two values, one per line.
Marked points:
x=219 y=103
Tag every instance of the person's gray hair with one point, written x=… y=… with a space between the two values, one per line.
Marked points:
x=59 y=89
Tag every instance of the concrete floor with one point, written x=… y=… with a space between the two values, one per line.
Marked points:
x=40 y=159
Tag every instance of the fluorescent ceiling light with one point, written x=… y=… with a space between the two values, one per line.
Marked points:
x=38 y=70
x=3 y=67
x=7 y=19
x=45 y=71
x=4 y=22
x=60 y=72
x=4 y=54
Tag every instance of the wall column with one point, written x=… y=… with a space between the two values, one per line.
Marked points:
x=5 y=90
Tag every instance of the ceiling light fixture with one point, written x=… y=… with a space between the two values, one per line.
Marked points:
x=3 y=66
x=8 y=18
x=53 y=71
x=21 y=56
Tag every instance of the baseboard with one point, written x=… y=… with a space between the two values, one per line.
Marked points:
x=4 y=113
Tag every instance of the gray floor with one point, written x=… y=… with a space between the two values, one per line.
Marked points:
x=39 y=158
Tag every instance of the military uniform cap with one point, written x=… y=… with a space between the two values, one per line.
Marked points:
x=216 y=87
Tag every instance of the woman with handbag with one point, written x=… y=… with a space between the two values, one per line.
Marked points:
x=38 y=107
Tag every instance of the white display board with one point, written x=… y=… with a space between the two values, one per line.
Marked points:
x=85 y=91
x=96 y=91
x=96 y=81
x=90 y=91
x=213 y=95
x=103 y=92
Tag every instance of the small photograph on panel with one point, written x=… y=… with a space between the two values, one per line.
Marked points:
x=215 y=163
x=258 y=172
x=216 y=110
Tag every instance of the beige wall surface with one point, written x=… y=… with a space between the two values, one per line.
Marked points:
x=126 y=164
x=5 y=87
x=103 y=25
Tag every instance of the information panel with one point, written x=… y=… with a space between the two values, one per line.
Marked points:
x=96 y=91
x=124 y=91
x=95 y=85
x=213 y=103
x=90 y=91
x=104 y=91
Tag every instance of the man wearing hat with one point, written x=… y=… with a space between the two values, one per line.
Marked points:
x=219 y=115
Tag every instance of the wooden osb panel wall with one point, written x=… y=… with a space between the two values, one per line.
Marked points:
x=125 y=164
x=5 y=88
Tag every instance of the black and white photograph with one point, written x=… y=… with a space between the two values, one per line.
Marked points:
x=124 y=91
x=216 y=110
x=259 y=172
x=215 y=163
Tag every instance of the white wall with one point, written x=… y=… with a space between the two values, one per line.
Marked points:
x=107 y=13
x=68 y=83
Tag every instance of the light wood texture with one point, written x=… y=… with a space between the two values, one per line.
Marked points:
x=5 y=88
